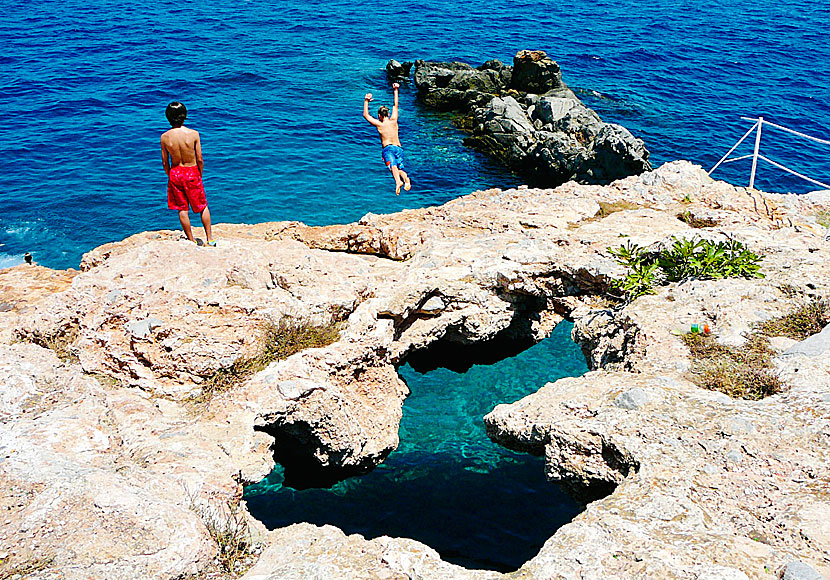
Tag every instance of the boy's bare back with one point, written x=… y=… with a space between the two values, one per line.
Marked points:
x=388 y=129
x=183 y=146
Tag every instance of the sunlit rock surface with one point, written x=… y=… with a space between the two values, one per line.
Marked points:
x=110 y=454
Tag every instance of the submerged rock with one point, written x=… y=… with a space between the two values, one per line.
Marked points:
x=526 y=117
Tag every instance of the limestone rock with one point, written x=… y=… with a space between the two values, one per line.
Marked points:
x=632 y=399
x=812 y=346
x=105 y=451
x=329 y=553
x=76 y=491
x=800 y=571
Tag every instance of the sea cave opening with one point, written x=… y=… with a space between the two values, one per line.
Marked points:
x=447 y=485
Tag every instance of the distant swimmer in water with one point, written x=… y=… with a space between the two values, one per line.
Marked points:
x=387 y=126
x=181 y=156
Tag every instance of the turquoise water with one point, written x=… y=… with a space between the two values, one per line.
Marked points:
x=276 y=90
x=447 y=484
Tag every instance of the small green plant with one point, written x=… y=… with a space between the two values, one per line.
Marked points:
x=278 y=341
x=642 y=270
x=823 y=218
x=685 y=259
x=631 y=254
x=804 y=321
x=744 y=372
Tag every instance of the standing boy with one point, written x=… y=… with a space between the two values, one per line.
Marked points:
x=181 y=156
x=387 y=126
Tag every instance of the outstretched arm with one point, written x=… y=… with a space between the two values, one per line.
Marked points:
x=394 y=116
x=366 y=114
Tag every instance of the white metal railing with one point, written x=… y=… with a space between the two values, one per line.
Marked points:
x=755 y=156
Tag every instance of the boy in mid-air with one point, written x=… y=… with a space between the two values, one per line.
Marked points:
x=181 y=156
x=387 y=126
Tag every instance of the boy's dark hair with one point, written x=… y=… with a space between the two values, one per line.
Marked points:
x=176 y=113
x=383 y=112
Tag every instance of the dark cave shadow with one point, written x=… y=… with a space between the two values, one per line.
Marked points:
x=446 y=502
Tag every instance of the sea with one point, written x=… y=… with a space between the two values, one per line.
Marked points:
x=276 y=90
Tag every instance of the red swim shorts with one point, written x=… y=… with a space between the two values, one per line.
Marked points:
x=184 y=185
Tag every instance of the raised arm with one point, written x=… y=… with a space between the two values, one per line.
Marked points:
x=366 y=114
x=395 y=87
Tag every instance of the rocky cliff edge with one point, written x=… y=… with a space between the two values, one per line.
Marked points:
x=116 y=445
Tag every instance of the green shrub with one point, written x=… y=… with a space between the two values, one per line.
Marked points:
x=702 y=259
x=642 y=270
x=685 y=259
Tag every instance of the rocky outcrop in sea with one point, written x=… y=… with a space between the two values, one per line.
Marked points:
x=117 y=450
x=525 y=116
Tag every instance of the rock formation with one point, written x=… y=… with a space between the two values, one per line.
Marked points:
x=114 y=451
x=526 y=117
x=396 y=70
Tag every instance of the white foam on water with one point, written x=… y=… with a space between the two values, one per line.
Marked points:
x=7 y=261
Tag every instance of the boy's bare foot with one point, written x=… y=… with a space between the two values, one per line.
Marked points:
x=407 y=185
x=398 y=188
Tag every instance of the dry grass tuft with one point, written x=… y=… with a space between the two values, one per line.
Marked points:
x=606 y=208
x=104 y=380
x=228 y=526
x=696 y=222
x=61 y=342
x=10 y=571
x=744 y=372
x=805 y=321
x=279 y=341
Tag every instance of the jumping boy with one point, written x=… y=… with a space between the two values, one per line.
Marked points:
x=387 y=126
x=181 y=156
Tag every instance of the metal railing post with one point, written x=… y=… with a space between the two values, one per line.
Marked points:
x=755 y=154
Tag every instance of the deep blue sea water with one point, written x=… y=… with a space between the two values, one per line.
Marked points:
x=447 y=484
x=276 y=90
